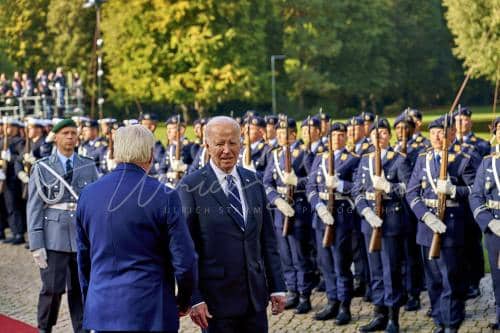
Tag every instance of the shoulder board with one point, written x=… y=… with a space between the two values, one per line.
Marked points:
x=343 y=156
x=451 y=157
x=419 y=139
x=457 y=148
x=295 y=152
x=320 y=150
x=365 y=145
x=390 y=155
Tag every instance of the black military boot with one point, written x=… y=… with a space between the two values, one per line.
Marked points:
x=2 y=235
x=18 y=239
x=329 y=311
x=9 y=240
x=320 y=287
x=413 y=303
x=304 y=305
x=493 y=326
x=379 y=322
x=393 y=324
x=344 y=316
x=292 y=300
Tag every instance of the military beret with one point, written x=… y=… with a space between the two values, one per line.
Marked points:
x=495 y=123
x=338 y=127
x=312 y=121
x=414 y=113
x=62 y=124
x=440 y=122
x=148 y=116
x=463 y=110
x=91 y=123
x=271 y=120
x=323 y=116
x=290 y=123
x=355 y=121
x=367 y=116
x=172 y=120
x=404 y=118
x=255 y=120
x=382 y=123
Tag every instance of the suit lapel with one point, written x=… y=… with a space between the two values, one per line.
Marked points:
x=249 y=199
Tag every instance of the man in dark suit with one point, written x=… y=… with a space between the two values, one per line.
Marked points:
x=231 y=225
x=133 y=245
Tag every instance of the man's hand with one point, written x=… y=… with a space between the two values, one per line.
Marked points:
x=289 y=178
x=179 y=166
x=40 y=256
x=332 y=182
x=446 y=187
x=199 y=315
x=373 y=220
x=381 y=184
x=2 y=175
x=6 y=156
x=325 y=216
x=27 y=157
x=433 y=222
x=277 y=304
x=284 y=207
x=23 y=176
x=494 y=226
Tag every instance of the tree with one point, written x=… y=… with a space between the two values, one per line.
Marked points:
x=475 y=25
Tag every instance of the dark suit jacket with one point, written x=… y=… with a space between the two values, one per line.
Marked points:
x=237 y=269
x=133 y=245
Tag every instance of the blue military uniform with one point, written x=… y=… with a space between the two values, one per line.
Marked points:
x=485 y=204
x=335 y=261
x=295 y=249
x=482 y=146
x=444 y=276
x=257 y=149
x=95 y=149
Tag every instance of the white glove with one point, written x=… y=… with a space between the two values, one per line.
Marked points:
x=289 y=178
x=284 y=207
x=494 y=226
x=40 y=256
x=23 y=176
x=381 y=184
x=179 y=166
x=372 y=218
x=6 y=155
x=2 y=175
x=27 y=157
x=50 y=137
x=446 y=187
x=110 y=164
x=434 y=223
x=332 y=182
x=325 y=216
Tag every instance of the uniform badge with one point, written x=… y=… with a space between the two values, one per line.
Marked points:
x=456 y=148
x=275 y=176
x=261 y=145
x=97 y=144
x=319 y=179
x=419 y=139
x=390 y=155
x=451 y=158
x=295 y=153
x=424 y=184
x=343 y=157
x=365 y=145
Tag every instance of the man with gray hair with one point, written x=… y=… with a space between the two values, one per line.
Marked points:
x=133 y=245
x=239 y=266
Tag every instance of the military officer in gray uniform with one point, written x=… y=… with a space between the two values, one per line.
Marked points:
x=54 y=186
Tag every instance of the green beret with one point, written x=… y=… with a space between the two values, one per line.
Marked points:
x=63 y=123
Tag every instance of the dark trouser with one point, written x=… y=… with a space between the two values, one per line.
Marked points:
x=385 y=271
x=251 y=322
x=493 y=245
x=62 y=272
x=413 y=266
x=335 y=264
x=474 y=255
x=359 y=257
x=15 y=208
x=3 y=215
x=295 y=254
x=445 y=285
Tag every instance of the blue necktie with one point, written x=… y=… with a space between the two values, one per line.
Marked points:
x=437 y=162
x=233 y=196
x=69 y=171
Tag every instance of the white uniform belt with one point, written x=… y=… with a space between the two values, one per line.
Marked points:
x=371 y=196
x=338 y=196
x=492 y=204
x=433 y=203
x=64 y=206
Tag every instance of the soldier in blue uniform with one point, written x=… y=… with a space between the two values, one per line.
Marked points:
x=485 y=204
x=271 y=140
x=385 y=265
x=417 y=136
x=150 y=121
x=495 y=148
x=171 y=169
x=334 y=261
x=368 y=119
x=12 y=194
x=413 y=267
x=256 y=126
x=198 y=128
x=463 y=118
x=94 y=146
x=324 y=127
x=295 y=249
x=445 y=278
x=358 y=142
x=202 y=157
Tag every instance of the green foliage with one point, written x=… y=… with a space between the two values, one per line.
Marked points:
x=475 y=25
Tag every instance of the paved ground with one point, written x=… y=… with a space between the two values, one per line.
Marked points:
x=20 y=283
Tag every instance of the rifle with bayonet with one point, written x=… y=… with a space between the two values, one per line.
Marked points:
x=376 y=237
x=26 y=164
x=4 y=148
x=459 y=124
x=248 y=145
x=288 y=221
x=404 y=139
x=329 y=235
x=178 y=146
x=309 y=143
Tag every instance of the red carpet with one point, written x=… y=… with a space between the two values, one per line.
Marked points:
x=9 y=325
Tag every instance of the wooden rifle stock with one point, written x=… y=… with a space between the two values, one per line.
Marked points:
x=376 y=237
x=329 y=235
x=248 y=145
x=178 y=146
x=288 y=221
